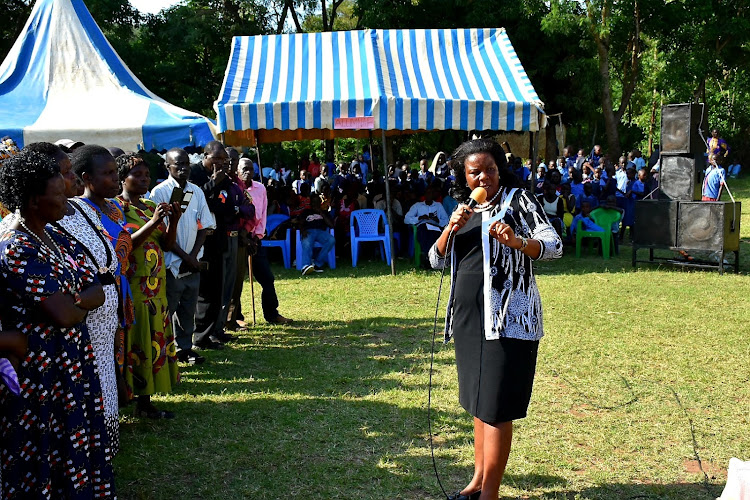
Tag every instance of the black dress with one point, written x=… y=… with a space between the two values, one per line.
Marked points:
x=495 y=377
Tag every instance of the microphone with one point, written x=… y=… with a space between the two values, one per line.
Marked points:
x=477 y=197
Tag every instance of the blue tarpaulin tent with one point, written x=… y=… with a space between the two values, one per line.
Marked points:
x=62 y=79
x=462 y=79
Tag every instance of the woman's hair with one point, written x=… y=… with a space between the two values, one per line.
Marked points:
x=46 y=148
x=25 y=175
x=126 y=163
x=468 y=148
x=85 y=158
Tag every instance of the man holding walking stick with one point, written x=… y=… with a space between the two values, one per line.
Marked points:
x=256 y=254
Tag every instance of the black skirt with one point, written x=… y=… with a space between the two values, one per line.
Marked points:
x=495 y=377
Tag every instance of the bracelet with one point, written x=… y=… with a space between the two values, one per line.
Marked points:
x=524 y=243
x=77 y=299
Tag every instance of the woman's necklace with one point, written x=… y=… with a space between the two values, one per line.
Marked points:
x=54 y=251
x=481 y=207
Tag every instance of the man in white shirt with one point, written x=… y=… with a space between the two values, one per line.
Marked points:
x=183 y=265
x=430 y=219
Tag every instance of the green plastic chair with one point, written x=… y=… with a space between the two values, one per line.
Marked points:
x=605 y=218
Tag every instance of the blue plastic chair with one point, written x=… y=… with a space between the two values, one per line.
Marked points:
x=272 y=222
x=365 y=225
x=298 y=251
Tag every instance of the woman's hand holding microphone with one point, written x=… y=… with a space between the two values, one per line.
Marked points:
x=459 y=217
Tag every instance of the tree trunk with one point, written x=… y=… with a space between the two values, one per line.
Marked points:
x=324 y=12
x=652 y=125
x=550 y=144
x=610 y=120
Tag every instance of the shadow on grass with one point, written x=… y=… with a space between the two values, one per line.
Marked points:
x=325 y=359
x=610 y=491
x=317 y=411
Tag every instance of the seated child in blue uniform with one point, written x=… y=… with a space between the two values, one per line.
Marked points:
x=587 y=223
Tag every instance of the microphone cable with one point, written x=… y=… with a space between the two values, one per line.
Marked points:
x=448 y=251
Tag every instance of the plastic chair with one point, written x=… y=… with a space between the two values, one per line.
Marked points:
x=272 y=222
x=364 y=225
x=603 y=217
x=298 y=251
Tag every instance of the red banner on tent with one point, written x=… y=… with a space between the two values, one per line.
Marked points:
x=354 y=123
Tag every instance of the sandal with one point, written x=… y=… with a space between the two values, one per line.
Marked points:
x=154 y=414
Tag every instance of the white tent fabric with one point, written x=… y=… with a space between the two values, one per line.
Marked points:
x=62 y=79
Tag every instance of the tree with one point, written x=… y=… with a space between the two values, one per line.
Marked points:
x=614 y=27
x=15 y=14
x=182 y=52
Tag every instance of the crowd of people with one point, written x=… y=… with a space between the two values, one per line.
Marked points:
x=108 y=282
x=115 y=267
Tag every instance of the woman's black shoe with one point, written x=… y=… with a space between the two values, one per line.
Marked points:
x=153 y=413
x=460 y=496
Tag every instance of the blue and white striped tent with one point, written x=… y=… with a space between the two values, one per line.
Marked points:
x=464 y=79
x=62 y=79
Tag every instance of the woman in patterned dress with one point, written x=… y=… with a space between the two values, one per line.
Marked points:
x=494 y=310
x=55 y=442
x=96 y=167
x=82 y=224
x=151 y=351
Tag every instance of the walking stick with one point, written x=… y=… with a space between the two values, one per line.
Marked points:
x=252 y=287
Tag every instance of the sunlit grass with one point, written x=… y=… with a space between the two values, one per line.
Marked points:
x=335 y=405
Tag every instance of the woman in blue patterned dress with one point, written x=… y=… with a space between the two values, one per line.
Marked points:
x=494 y=310
x=55 y=442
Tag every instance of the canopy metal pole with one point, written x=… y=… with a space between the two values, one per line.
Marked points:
x=257 y=154
x=387 y=204
x=534 y=138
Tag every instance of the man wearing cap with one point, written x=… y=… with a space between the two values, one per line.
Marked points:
x=69 y=145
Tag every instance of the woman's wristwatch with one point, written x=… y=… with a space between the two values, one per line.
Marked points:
x=524 y=243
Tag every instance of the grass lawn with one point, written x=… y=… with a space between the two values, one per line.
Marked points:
x=640 y=372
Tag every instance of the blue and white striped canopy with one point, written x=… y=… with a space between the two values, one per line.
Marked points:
x=63 y=80
x=464 y=79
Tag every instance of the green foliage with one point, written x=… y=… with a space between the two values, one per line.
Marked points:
x=15 y=13
x=688 y=49
x=181 y=53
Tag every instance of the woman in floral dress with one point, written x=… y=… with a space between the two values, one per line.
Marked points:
x=151 y=354
x=54 y=438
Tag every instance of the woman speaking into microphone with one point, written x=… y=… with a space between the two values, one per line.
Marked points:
x=494 y=309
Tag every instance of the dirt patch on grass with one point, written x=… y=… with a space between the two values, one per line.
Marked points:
x=581 y=411
x=713 y=470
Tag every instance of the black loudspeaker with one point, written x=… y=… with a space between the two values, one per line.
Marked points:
x=680 y=177
x=680 y=125
x=707 y=225
x=656 y=221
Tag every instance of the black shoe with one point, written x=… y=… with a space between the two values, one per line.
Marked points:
x=190 y=357
x=224 y=338
x=208 y=344
x=459 y=496
x=280 y=320
x=153 y=413
x=318 y=269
